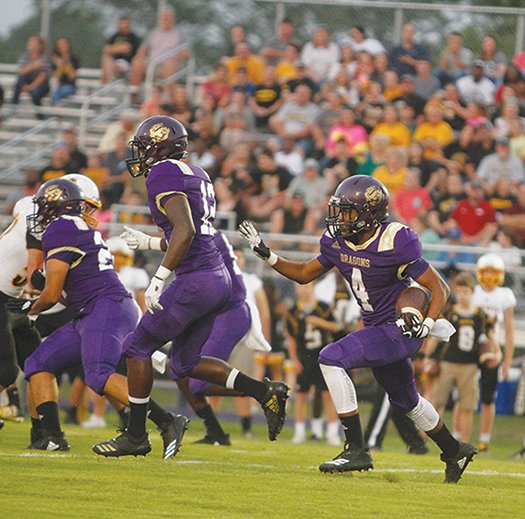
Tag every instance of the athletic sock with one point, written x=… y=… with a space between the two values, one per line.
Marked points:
x=138 y=411
x=124 y=417
x=158 y=415
x=249 y=386
x=48 y=413
x=36 y=424
x=353 y=434
x=213 y=427
x=246 y=424
x=14 y=396
x=445 y=441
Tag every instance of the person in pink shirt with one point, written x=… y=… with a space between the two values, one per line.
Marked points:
x=411 y=200
x=346 y=129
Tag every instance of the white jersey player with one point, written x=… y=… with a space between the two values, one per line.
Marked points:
x=498 y=303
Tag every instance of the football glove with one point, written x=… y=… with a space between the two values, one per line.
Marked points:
x=38 y=280
x=138 y=240
x=412 y=327
x=155 y=289
x=19 y=306
x=252 y=236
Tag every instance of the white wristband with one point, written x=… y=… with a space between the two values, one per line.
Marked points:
x=272 y=260
x=154 y=243
x=429 y=322
x=162 y=273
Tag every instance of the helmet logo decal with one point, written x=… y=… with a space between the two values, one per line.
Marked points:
x=373 y=195
x=159 y=132
x=53 y=193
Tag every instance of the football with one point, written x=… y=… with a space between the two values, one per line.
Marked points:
x=488 y=355
x=415 y=300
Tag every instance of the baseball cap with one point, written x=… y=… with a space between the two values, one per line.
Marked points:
x=297 y=194
x=453 y=234
x=407 y=77
x=503 y=140
x=311 y=163
x=478 y=63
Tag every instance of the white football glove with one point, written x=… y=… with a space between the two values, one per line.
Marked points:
x=412 y=327
x=155 y=289
x=138 y=240
x=252 y=236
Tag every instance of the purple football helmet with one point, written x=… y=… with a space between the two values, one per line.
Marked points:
x=157 y=138
x=359 y=204
x=55 y=198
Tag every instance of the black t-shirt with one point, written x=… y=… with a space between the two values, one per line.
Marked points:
x=471 y=329
x=477 y=152
x=272 y=182
x=425 y=168
x=266 y=96
x=446 y=203
x=413 y=100
x=64 y=79
x=130 y=38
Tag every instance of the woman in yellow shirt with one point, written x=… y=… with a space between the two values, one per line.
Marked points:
x=434 y=134
x=393 y=172
x=397 y=133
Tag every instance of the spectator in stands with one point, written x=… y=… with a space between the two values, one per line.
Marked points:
x=345 y=129
x=505 y=246
x=494 y=61
x=425 y=82
x=237 y=121
x=95 y=170
x=455 y=108
x=328 y=116
x=237 y=35
x=431 y=175
x=152 y=106
x=433 y=134
x=228 y=200
x=375 y=156
x=115 y=162
x=218 y=85
x=446 y=203
x=510 y=110
x=126 y=124
x=502 y=196
x=266 y=99
x=320 y=54
x=65 y=65
x=393 y=172
x=289 y=158
x=181 y=105
x=275 y=48
x=474 y=217
x=246 y=59
x=513 y=83
x=360 y=42
x=33 y=72
x=119 y=51
x=397 y=133
x=344 y=88
x=60 y=164
x=475 y=86
x=391 y=87
x=481 y=145
x=403 y=57
x=302 y=77
x=164 y=38
x=342 y=164
x=347 y=62
x=296 y=117
x=513 y=219
x=286 y=68
x=409 y=95
x=311 y=185
x=455 y=59
x=411 y=200
x=272 y=182
x=517 y=138
x=29 y=188
x=290 y=219
x=499 y=164
x=242 y=83
x=381 y=66
x=454 y=236
x=78 y=157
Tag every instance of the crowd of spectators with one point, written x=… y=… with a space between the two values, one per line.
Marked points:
x=279 y=127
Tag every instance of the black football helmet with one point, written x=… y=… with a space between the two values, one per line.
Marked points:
x=157 y=138
x=359 y=204
x=55 y=198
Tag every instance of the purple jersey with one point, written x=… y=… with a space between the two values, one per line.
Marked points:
x=377 y=270
x=91 y=274
x=226 y=250
x=171 y=177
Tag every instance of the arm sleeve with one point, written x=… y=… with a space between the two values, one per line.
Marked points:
x=32 y=242
x=409 y=252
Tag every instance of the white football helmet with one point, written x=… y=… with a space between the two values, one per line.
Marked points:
x=490 y=271
x=92 y=195
x=24 y=205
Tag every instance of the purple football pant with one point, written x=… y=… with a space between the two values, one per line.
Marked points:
x=93 y=340
x=228 y=328
x=387 y=351
x=191 y=303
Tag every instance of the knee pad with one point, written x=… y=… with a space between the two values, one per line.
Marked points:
x=8 y=374
x=96 y=376
x=341 y=388
x=424 y=415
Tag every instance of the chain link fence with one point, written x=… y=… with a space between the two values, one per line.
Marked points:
x=207 y=23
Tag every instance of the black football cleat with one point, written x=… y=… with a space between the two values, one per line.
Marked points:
x=418 y=449
x=50 y=442
x=1 y=424
x=172 y=433
x=458 y=463
x=274 y=406
x=123 y=445
x=351 y=459
x=212 y=439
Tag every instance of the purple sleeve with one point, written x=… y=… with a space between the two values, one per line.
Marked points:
x=416 y=268
x=324 y=261
x=164 y=180
x=409 y=252
x=60 y=241
x=325 y=245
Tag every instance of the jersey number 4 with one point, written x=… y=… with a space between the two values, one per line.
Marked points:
x=359 y=290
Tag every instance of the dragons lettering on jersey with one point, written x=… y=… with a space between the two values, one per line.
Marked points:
x=354 y=260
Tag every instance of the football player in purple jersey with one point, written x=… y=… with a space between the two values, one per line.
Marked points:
x=378 y=258
x=79 y=264
x=182 y=203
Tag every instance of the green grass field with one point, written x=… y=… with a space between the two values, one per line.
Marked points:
x=252 y=479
